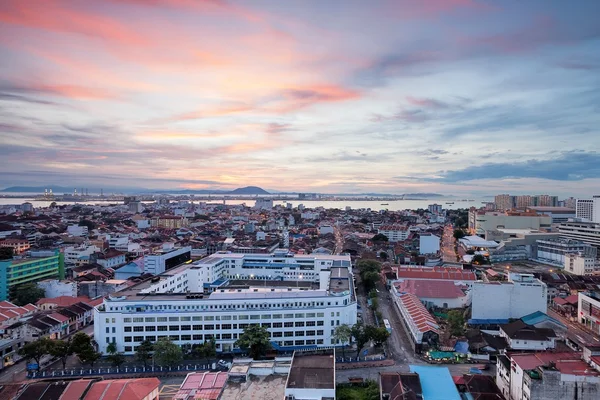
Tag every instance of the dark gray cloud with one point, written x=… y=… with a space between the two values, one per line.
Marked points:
x=568 y=166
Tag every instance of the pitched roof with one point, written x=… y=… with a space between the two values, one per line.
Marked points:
x=423 y=288
x=62 y=301
x=419 y=314
x=126 y=389
x=440 y=273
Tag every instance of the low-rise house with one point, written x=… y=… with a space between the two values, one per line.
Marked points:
x=521 y=336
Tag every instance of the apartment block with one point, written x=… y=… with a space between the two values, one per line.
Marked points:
x=40 y=265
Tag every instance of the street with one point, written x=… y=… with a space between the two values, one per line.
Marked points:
x=576 y=331
x=18 y=373
x=339 y=239
x=447 y=245
x=398 y=345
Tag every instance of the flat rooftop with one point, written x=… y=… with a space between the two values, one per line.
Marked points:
x=254 y=283
x=312 y=371
x=271 y=387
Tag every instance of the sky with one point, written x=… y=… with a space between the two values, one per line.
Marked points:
x=341 y=96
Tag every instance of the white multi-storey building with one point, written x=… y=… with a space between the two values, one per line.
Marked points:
x=76 y=230
x=299 y=299
x=394 y=233
x=584 y=208
x=581 y=264
x=521 y=295
x=596 y=210
x=587 y=232
x=79 y=255
x=167 y=258
x=588 y=308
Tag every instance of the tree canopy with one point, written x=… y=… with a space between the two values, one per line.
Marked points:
x=115 y=357
x=27 y=293
x=459 y=234
x=255 y=339
x=83 y=346
x=456 y=320
x=478 y=259
x=6 y=253
x=36 y=350
x=380 y=237
x=144 y=351
x=342 y=334
x=61 y=350
x=167 y=353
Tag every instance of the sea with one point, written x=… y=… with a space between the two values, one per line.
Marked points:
x=377 y=205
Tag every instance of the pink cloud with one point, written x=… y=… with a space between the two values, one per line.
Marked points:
x=54 y=18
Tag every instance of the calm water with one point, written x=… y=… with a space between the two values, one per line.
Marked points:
x=342 y=204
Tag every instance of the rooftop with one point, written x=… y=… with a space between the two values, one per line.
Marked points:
x=202 y=385
x=434 y=273
x=437 y=383
x=312 y=371
x=271 y=387
x=423 y=288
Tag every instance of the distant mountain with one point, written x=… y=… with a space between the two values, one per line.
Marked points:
x=423 y=195
x=249 y=190
x=37 y=189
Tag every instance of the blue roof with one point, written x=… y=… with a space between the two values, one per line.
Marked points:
x=436 y=382
x=539 y=317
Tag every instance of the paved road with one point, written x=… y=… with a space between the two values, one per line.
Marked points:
x=339 y=239
x=576 y=331
x=399 y=348
x=17 y=372
x=447 y=245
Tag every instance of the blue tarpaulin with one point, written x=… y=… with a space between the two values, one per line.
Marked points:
x=461 y=347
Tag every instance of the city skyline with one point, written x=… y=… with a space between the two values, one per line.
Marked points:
x=443 y=96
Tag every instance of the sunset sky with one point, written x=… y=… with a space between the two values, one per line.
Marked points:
x=444 y=96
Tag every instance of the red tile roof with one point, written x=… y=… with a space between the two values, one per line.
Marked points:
x=563 y=361
x=125 y=389
x=423 y=288
x=399 y=228
x=419 y=314
x=75 y=389
x=63 y=301
x=59 y=317
x=9 y=311
x=202 y=385
x=439 y=273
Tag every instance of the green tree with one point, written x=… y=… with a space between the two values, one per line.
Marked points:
x=370 y=279
x=380 y=237
x=379 y=335
x=456 y=320
x=89 y=355
x=383 y=255
x=61 y=350
x=6 y=253
x=359 y=334
x=36 y=350
x=167 y=353
x=114 y=356
x=208 y=349
x=144 y=351
x=342 y=334
x=458 y=234
x=84 y=348
x=255 y=339
x=27 y=293
x=80 y=342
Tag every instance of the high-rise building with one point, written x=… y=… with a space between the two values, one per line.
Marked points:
x=504 y=201
x=544 y=200
x=523 y=201
x=585 y=209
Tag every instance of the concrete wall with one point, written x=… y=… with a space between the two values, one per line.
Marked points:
x=518 y=300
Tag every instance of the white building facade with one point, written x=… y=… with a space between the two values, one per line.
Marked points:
x=160 y=262
x=192 y=303
x=581 y=264
x=521 y=295
x=585 y=209
x=429 y=243
x=394 y=233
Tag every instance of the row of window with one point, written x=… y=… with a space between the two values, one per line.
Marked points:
x=222 y=317
x=309 y=342
x=218 y=336
x=210 y=327
x=227 y=306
